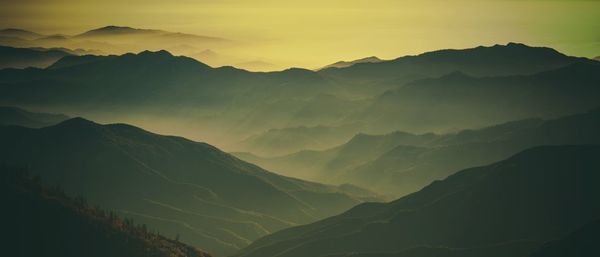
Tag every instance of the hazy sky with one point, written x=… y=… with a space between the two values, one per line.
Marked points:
x=311 y=33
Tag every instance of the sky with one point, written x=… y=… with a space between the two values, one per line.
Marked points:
x=313 y=33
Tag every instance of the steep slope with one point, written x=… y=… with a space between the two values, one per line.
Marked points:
x=17 y=116
x=11 y=57
x=174 y=185
x=45 y=222
x=538 y=195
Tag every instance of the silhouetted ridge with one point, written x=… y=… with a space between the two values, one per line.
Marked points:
x=116 y=30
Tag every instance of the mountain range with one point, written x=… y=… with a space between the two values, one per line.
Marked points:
x=400 y=163
x=239 y=109
x=177 y=186
x=509 y=208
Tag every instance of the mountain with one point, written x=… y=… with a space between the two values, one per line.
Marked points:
x=11 y=57
x=45 y=222
x=228 y=105
x=497 y=60
x=458 y=100
x=516 y=205
x=19 y=33
x=344 y=64
x=597 y=58
x=401 y=163
x=174 y=185
x=117 y=31
x=17 y=116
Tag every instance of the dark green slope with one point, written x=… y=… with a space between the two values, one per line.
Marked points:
x=460 y=101
x=178 y=186
x=11 y=57
x=538 y=195
x=41 y=221
x=17 y=116
x=583 y=242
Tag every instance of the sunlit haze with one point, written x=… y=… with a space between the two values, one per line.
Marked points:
x=312 y=33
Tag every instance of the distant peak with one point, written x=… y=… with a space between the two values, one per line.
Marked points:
x=15 y=30
x=164 y=53
x=116 y=30
x=77 y=123
x=513 y=44
x=456 y=75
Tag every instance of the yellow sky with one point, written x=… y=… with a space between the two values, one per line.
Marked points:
x=312 y=33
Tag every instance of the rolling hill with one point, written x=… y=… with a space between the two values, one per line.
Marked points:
x=175 y=185
x=43 y=221
x=509 y=208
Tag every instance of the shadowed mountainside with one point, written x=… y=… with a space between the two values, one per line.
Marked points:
x=45 y=222
x=177 y=186
x=538 y=195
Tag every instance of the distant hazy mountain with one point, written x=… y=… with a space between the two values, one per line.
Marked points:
x=44 y=221
x=11 y=57
x=344 y=64
x=19 y=33
x=116 y=40
x=401 y=163
x=177 y=186
x=20 y=117
x=510 y=207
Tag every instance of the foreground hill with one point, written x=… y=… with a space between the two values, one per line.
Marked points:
x=401 y=163
x=509 y=208
x=17 y=116
x=177 y=186
x=45 y=222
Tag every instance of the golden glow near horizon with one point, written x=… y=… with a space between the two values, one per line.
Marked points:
x=314 y=33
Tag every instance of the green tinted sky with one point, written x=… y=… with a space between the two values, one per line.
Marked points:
x=311 y=33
